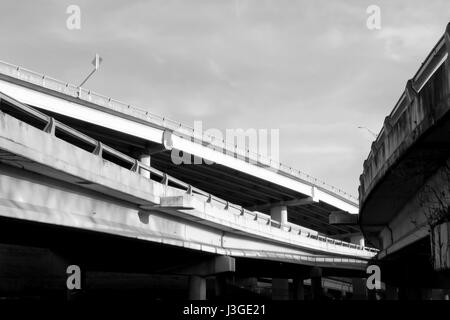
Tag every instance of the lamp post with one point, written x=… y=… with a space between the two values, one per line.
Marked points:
x=96 y=62
x=370 y=131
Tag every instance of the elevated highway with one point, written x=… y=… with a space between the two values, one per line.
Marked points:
x=80 y=163
x=250 y=180
x=405 y=183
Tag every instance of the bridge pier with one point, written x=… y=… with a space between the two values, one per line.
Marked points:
x=197 y=288
x=391 y=292
x=316 y=283
x=405 y=293
x=359 y=289
x=280 y=289
x=298 y=289
x=358 y=239
x=145 y=159
x=222 y=283
x=218 y=266
x=279 y=214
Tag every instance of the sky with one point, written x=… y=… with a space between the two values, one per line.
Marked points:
x=311 y=69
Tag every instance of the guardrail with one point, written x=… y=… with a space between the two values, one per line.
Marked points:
x=437 y=56
x=50 y=125
x=66 y=88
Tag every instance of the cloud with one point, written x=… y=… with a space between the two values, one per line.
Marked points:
x=404 y=43
x=310 y=68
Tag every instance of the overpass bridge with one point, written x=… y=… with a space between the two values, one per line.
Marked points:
x=86 y=163
x=404 y=188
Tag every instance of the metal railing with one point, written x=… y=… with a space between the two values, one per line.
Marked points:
x=51 y=126
x=66 y=88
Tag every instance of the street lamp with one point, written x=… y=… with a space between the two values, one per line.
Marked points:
x=96 y=62
x=370 y=131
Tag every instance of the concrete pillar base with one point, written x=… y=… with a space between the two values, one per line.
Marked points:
x=359 y=289
x=298 y=289
x=316 y=283
x=280 y=289
x=197 y=288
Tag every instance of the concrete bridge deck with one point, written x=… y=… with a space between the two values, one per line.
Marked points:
x=405 y=183
x=254 y=182
x=409 y=151
x=49 y=180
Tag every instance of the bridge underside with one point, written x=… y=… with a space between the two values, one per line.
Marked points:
x=404 y=191
x=59 y=200
x=34 y=263
x=249 y=190
x=46 y=179
x=411 y=157
x=227 y=183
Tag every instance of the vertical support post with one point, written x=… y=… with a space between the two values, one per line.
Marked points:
x=391 y=292
x=280 y=289
x=298 y=289
x=279 y=213
x=221 y=285
x=145 y=159
x=316 y=283
x=359 y=240
x=359 y=289
x=405 y=293
x=197 y=288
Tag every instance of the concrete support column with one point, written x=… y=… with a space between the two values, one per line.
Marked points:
x=298 y=289
x=409 y=293
x=343 y=294
x=280 y=289
x=359 y=289
x=145 y=159
x=316 y=283
x=220 y=286
x=197 y=288
x=279 y=213
x=433 y=294
x=427 y=294
x=249 y=283
x=357 y=240
x=222 y=283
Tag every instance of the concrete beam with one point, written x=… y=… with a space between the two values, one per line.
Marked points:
x=289 y=203
x=347 y=235
x=343 y=218
x=209 y=267
x=183 y=202
x=166 y=144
